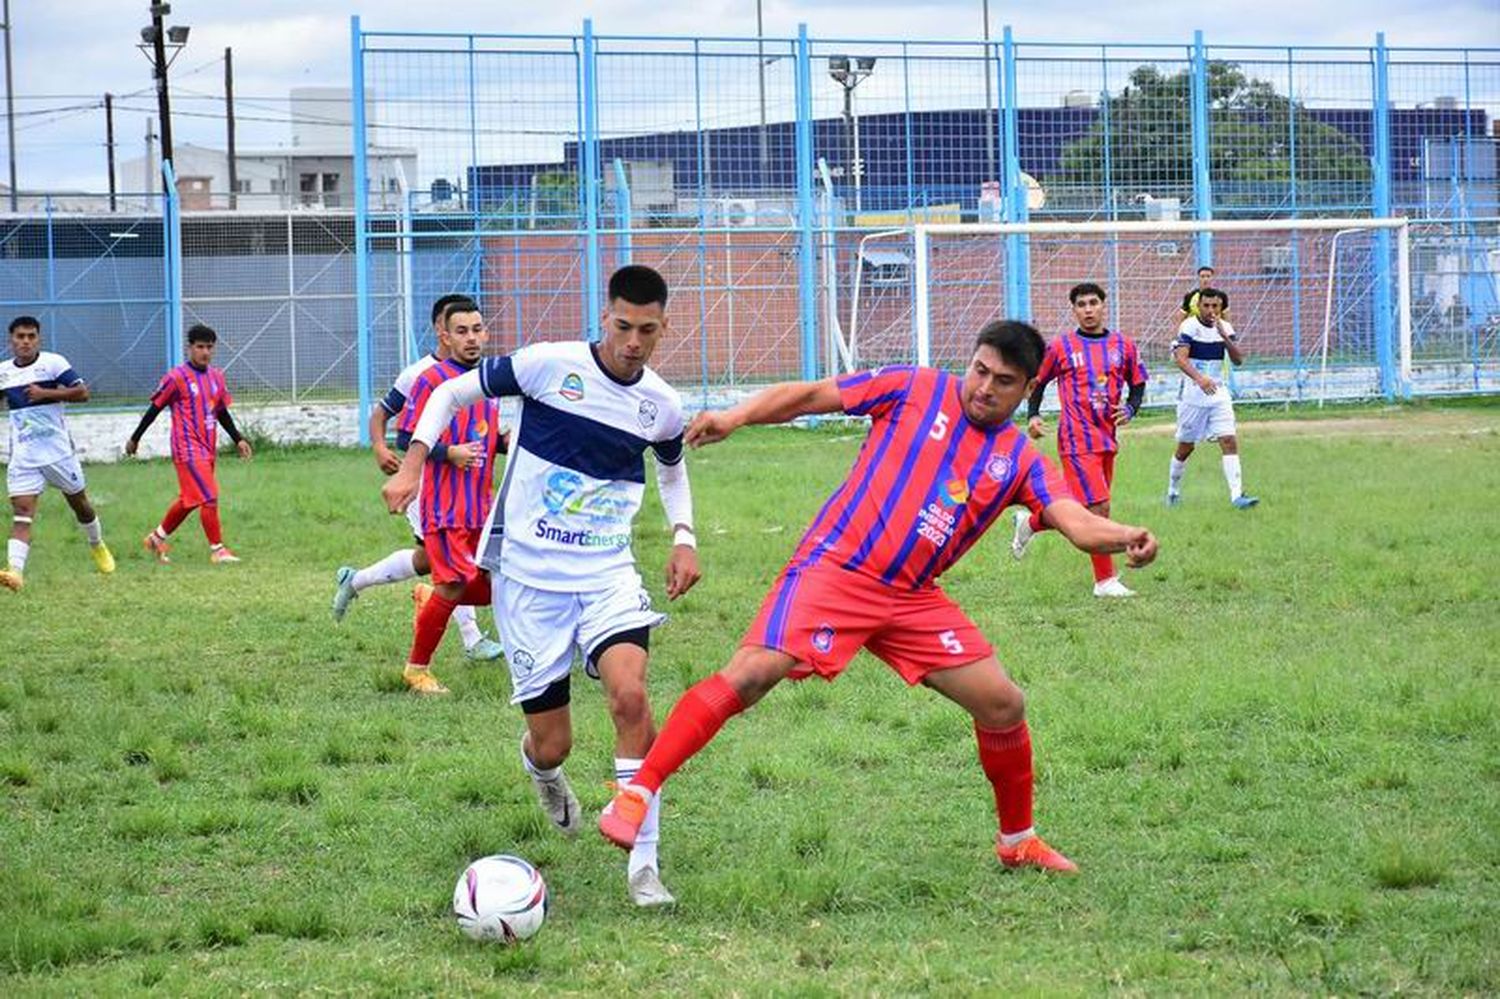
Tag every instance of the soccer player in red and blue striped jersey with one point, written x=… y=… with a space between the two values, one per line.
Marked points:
x=457 y=491
x=941 y=461
x=1101 y=383
x=199 y=399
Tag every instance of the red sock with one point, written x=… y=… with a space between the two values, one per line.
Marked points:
x=695 y=719
x=1104 y=567
x=477 y=592
x=1036 y=521
x=1006 y=758
x=208 y=516
x=176 y=514
x=431 y=624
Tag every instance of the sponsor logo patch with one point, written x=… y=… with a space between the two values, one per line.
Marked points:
x=572 y=387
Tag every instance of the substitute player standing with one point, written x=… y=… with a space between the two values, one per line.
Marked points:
x=1101 y=384
x=199 y=398
x=36 y=383
x=565 y=576
x=1205 y=410
x=941 y=460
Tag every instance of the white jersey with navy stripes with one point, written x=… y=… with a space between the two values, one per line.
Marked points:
x=38 y=432
x=576 y=472
x=400 y=390
x=1206 y=349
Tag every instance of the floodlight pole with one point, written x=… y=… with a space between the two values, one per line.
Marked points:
x=159 y=71
x=10 y=111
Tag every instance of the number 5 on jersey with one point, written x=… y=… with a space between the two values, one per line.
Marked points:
x=951 y=643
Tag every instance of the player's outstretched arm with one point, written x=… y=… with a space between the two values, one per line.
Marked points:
x=777 y=404
x=147 y=418
x=1099 y=535
x=441 y=406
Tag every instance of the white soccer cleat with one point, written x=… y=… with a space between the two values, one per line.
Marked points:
x=1112 y=587
x=344 y=592
x=1023 y=535
x=647 y=891
x=556 y=797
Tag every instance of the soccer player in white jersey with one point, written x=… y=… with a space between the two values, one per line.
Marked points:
x=408 y=563
x=36 y=383
x=564 y=577
x=1205 y=410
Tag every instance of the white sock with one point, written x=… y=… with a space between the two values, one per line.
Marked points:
x=468 y=628
x=643 y=854
x=16 y=552
x=548 y=774
x=1174 y=476
x=1011 y=839
x=94 y=531
x=1232 y=475
x=392 y=569
x=160 y=533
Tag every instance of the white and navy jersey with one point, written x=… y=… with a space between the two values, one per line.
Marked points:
x=576 y=472
x=38 y=431
x=1206 y=350
x=400 y=390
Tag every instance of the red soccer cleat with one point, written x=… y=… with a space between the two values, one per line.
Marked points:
x=157 y=548
x=620 y=822
x=1033 y=852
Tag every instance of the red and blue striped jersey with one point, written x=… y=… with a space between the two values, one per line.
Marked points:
x=927 y=483
x=458 y=497
x=195 y=397
x=1092 y=375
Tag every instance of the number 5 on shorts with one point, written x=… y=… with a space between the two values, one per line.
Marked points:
x=951 y=643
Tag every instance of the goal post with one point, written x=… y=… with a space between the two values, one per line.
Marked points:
x=1310 y=297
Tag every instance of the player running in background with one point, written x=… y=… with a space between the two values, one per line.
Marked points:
x=455 y=484
x=198 y=397
x=408 y=563
x=1205 y=410
x=1101 y=384
x=941 y=460
x=565 y=575
x=36 y=383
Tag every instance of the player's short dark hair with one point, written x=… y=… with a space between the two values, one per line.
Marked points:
x=638 y=285
x=460 y=303
x=25 y=322
x=1206 y=267
x=1222 y=296
x=1087 y=288
x=199 y=333
x=441 y=305
x=1016 y=342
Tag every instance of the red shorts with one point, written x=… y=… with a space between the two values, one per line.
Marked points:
x=450 y=551
x=195 y=483
x=823 y=615
x=1089 y=475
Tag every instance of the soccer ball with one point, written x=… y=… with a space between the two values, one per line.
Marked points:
x=500 y=898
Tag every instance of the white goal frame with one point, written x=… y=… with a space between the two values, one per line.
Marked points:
x=922 y=234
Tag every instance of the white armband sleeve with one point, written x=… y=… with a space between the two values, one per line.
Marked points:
x=676 y=494
x=446 y=400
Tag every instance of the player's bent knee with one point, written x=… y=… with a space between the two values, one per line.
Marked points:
x=630 y=706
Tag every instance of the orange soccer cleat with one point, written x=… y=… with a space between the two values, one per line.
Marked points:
x=222 y=556
x=620 y=822
x=419 y=680
x=1033 y=852
x=157 y=548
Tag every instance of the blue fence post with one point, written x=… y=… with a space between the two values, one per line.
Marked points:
x=172 y=244
x=1203 y=199
x=1380 y=169
x=807 y=291
x=623 y=246
x=1017 y=247
x=593 y=303
x=361 y=232
x=476 y=278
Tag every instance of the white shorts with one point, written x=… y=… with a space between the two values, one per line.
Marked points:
x=1199 y=423
x=540 y=629
x=66 y=475
x=414 y=517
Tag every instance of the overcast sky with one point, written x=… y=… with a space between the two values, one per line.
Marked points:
x=68 y=53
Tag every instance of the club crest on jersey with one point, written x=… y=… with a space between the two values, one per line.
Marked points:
x=522 y=662
x=822 y=639
x=647 y=413
x=1115 y=358
x=572 y=387
x=998 y=467
x=956 y=492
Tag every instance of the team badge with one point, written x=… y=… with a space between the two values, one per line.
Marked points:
x=647 y=413
x=481 y=429
x=998 y=467
x=572 y=387
x=1115 y=358
x=522 y=663
x=822 y=639
x=956 y=492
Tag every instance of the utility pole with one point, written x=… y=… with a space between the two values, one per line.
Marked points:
x=760 y=67
x=10 y=110
x=150 y=154
x=229 y=123
x=159 y=70
x=109 y=143
x=989 y=106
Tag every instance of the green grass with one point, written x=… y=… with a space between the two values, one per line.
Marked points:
x=1279 y=767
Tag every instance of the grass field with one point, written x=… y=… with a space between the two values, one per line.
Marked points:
x=1279 y=767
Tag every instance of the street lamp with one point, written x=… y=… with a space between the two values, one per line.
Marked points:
x=848 y=72
x=159 y=39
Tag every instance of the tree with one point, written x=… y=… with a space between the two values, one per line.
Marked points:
x=1249 y=140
